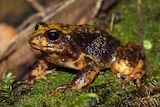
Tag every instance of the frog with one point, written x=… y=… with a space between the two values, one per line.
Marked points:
x=86 y=49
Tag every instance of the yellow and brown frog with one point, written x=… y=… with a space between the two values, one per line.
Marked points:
x=87 y=49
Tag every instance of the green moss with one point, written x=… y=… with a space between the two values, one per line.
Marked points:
x=106 y=88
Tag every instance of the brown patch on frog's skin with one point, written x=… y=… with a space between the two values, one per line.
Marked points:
x=87 y=49
x=129 y=64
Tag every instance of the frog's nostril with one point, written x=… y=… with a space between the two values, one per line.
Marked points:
x=36 y=27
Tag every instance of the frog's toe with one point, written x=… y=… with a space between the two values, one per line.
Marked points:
x=138 y=83
x=30 y=81
x=64 y=87
x=124 y=82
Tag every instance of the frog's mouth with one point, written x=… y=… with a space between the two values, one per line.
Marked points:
x=50 y=49
x=38 y=47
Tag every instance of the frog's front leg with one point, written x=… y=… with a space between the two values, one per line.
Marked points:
x=82 y=79
x=39 y=70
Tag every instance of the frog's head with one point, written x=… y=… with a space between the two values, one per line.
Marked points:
x=54 y=38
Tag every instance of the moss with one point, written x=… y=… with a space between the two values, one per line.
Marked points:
x=107 y=87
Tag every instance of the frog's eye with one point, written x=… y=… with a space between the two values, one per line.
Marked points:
x=52 y=34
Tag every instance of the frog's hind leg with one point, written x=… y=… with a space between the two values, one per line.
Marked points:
x=137 y=74
x=82 y=79
x=39 y=70
x=139 y=77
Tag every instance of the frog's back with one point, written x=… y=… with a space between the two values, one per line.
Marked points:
x=102 y=48
x=97 y=43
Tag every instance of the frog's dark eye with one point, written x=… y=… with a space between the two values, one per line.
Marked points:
x=52 y=34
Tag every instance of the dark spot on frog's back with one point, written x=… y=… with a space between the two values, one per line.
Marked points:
x=103 y=47
x=87 y=38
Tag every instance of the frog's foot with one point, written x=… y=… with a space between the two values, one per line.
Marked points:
x=128 y=79
x=32 y=78
x=64 y=87
x=40 y=74
x=30 y=81
x=132 y=77
x=39 y=71
x=125 y=81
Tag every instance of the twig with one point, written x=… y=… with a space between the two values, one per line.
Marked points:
x=112 y=22
x=141 y=30
x=36 y=5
